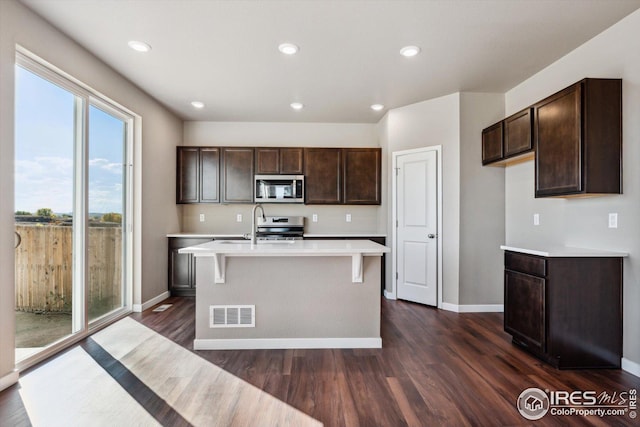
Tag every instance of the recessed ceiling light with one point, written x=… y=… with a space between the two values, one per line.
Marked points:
x=197 y=104
x=139 y=46
x=297 y=106
x=288 y=48
x=377 y=107
x=409 y=51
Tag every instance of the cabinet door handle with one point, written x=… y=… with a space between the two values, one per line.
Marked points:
x=431 y=236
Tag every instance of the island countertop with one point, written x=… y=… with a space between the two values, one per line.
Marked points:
x=287 y=248
x=221 y=249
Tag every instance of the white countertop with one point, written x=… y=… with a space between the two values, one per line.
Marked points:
x=565 y=251
x=343 y=235
x=288 y=248
x=205 y=236
x=311 y=235
x=218 y=250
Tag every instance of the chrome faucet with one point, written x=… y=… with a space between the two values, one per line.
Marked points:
x=254 y=240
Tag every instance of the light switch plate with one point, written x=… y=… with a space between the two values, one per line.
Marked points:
x=314 y=218
x=613 y=220
x=536 y=219
x=348 y=218
x=201 y=217
x=239 y=218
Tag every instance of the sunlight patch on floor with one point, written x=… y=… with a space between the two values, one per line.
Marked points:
x=73 y=389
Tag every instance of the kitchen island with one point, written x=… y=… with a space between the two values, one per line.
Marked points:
x=290 y=294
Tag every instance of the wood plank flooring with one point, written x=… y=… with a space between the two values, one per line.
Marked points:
x=435 y=368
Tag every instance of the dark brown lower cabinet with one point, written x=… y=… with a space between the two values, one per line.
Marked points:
x=182 y=267
x=565 y=310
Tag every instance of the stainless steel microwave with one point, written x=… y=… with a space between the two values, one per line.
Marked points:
x=279 y=189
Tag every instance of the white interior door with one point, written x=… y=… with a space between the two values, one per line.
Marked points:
x=417 y=227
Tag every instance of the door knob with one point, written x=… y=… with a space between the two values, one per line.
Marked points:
x=431 y=236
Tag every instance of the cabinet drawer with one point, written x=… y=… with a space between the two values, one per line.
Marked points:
x=529 y=264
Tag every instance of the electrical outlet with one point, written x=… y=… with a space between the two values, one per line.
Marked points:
x=201 y=217
x=613 y=220
x=348 y=218
x=536 y=219
x=314 y=218
x=239 y=218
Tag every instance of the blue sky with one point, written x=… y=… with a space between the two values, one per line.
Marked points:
x=44 y=150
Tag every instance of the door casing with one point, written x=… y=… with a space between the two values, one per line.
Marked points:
x=393 y=293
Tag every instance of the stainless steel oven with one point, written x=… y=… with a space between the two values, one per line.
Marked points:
x=280 y=228
x=279 y=188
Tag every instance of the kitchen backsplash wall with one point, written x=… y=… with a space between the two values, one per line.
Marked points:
x=222 y=219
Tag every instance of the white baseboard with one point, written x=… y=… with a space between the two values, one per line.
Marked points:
x=9 y=380
x=285 y=343
x=468 y=308
x=631 y=367
x=138 y=308
x=389 y=295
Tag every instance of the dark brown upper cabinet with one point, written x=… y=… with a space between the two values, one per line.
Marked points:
x=279 y=161
x=323 y=175
x=187 y=187
x=578 y=140
x=362 y=176
x=209 y=175
x=237 y=175
x=509 y=141
x=292 y=161
x=518 y=129
x=492 y=144
x=343 y=176
x=197 y=174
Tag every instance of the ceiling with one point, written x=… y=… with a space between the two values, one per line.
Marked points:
x=225 y=52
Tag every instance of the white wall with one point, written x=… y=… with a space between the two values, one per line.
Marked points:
x=272 y=134
x=481 y=204
x=425 y=124
x=161 y=132
x=221 y=219
x=583 y=222
x=473 y=196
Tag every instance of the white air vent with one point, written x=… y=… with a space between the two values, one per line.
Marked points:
x=232 y=316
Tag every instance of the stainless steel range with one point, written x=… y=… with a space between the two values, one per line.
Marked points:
x=280 y=228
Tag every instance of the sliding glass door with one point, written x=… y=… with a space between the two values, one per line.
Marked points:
x=72 y=201
x=107 y=202
x=44 y=216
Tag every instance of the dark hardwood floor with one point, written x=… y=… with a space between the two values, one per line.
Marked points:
x=435 y=368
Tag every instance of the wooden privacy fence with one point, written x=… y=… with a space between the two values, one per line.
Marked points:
x=44 y=267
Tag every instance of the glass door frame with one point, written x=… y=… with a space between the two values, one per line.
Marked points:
x=84 y=98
